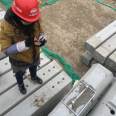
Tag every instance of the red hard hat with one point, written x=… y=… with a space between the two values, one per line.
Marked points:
x=27 y=10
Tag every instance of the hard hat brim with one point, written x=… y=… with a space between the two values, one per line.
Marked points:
x=30 y=20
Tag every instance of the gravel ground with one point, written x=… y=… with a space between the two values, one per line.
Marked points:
x=69 y=23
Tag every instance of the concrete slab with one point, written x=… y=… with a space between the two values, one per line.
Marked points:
x=7 y=81
x=107 y=105
x=106 y=49
x=83 y=96
x=99 y=38
x=43 y=100
x=12 y=97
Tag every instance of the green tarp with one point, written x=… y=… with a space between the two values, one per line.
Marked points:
x=67 y=67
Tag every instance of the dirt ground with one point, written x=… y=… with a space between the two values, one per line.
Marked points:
x=69 y=23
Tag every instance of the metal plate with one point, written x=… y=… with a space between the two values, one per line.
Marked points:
x=78 y=98
x=86 y=93
x=75 y=101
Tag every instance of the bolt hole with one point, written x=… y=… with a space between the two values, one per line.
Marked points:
x=53 y=86
x=54 y=67
x=58 y=82
x=63 y=78
x=112 y=112
x=49 y=70
x=43 y=73
x=26 y=85
x=6 y=63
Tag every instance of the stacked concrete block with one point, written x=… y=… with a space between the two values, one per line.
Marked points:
x=82 y=97
x=102 y=47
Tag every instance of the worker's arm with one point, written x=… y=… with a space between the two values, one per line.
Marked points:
x=8 y=48
x=15 y=48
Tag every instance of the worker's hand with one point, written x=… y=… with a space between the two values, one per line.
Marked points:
x=41 y=40
x=28 y=42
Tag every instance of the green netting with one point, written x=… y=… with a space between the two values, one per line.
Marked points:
x=109 y=3
x=48 y=2
x=67 y=67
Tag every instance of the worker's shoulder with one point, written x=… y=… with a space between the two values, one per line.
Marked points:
x=6 y=28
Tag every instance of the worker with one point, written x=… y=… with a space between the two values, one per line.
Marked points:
x=21 y=37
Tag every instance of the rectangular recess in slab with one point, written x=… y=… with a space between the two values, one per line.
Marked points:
x=12 y=97
x=8 y=80
x=92 y=43
x=79 y=97
x=102 y=52
x=40 y=102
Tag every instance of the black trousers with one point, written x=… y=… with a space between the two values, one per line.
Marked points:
x=19 y=74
